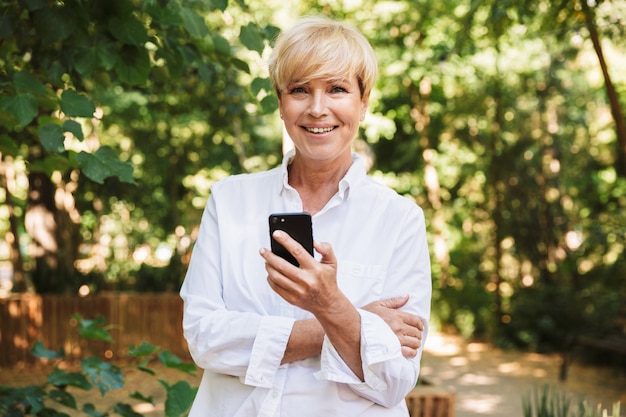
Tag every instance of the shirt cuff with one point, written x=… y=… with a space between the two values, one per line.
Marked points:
x=268 y=350
x=378 y=344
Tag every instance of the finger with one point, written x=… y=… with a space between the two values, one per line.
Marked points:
x=293 y=247
x=411 y=342
x=408 y=353
x=395 y=302
x=411 y=320
x=420 y=325
x=276 y=262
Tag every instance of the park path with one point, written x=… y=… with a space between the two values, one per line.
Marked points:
x=492 y=382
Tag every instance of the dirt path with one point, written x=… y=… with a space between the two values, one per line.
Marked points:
x=492 y=382
x=487 y=381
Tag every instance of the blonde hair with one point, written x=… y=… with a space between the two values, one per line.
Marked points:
x=317 y=47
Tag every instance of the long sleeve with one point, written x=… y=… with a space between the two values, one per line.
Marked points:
x=225 y=340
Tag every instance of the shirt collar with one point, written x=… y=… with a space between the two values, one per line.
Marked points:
x=355 y=174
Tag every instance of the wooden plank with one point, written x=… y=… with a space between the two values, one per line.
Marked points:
x=428 y=401
x=26 y=318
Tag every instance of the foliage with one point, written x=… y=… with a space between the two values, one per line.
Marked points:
x=54 y=396
x=549 y=402
x=495 y=117
x=120 y=97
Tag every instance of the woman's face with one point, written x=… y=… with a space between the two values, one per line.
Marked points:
x=322 y=117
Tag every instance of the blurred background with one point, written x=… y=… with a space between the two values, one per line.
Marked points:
x=503 y=120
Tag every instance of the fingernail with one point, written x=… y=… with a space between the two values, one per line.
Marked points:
x=278 y=233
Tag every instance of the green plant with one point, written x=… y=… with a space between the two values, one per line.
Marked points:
x=46 y=400
x=549 y=402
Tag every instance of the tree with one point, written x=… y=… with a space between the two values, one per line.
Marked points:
x=67 y=65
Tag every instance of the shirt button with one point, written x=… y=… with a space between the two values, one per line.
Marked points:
x=274 y=393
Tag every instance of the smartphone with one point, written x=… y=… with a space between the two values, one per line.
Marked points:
x=297 y=225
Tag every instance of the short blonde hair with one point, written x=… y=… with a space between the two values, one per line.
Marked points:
x=317 y=47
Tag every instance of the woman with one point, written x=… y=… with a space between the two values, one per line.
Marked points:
x=340 y=335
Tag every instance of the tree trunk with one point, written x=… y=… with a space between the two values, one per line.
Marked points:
x=41 y=227
x=20 y=280
x=616 y=110
x=54 y=235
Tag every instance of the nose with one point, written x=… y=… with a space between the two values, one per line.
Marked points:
x=318 y=105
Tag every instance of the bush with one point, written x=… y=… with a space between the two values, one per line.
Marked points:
x=549 y=402
x=95 y=373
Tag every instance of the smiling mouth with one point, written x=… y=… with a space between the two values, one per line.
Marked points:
x=320 y=129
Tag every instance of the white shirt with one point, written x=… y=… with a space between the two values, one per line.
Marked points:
x=237 y=327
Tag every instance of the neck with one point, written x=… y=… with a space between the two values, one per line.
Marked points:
x=316 y=184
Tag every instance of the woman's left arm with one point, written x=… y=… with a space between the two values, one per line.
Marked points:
x=388 y=375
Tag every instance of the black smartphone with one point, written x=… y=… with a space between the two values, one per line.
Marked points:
x=297 y=225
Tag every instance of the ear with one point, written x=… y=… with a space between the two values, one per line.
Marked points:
x=364 y=106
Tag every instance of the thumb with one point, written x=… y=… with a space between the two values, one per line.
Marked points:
x=326 y=250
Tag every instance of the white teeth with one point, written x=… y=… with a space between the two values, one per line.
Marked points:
x=319 y=129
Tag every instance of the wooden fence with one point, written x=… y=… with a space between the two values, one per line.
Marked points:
x=133 y=318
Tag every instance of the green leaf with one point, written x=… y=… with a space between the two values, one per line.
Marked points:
x=93 y=329
x=144 y=349
x=133 y=66
x=54 y=24
x=259 y=84
x=31 y=397
x=193 y=23
x=107 y=54
x=144 y=368
x=251 y=37
x=170 y=360
x=271 y=32
x=62 y=397
x=100 y=54
x=40 y=351
x=179 y=398
x=104 y=164
x=52 y=138
x=74 y=128
x=74 y=104
x=220 y=4
x=24 y=82
x=22 y=106
x=241 y=65
x=85 y=61
x=221 y=45
x=125 y=410
x=269 y=104
x=90 y=410
x=8 y=146
x=128 y=30
x=61 y=378
x=103 y=375
x=139 y=396
x=164 y=16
